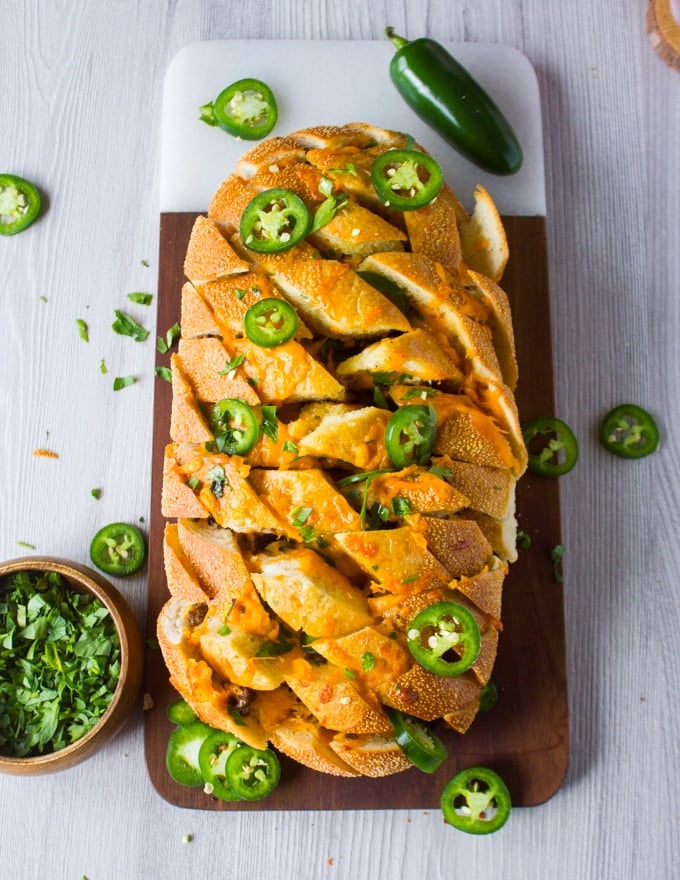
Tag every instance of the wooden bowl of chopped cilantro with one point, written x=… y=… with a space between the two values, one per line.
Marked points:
x=70 y=664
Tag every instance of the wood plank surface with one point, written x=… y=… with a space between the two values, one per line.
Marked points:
x=525 y=738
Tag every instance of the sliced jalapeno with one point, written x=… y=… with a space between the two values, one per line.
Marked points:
x=252 y=773
x=234 y=425
x=552 y=446
x=270 y=322
x=19 y=204
x=275 y=220
x=410 y=435
x=246 y=108
x=181 y=757
x=417 y=742
x=629 y=431
x=445 y=96
x=444 y=638
x=212 y=759
x=180 y=712
x=118 y=549
x=406 y=179
x=476 y=800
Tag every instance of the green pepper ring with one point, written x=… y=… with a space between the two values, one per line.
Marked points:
x=181 y=756
x=274 y=220
x=228 y=119
x=180 y=712
x=440 y=628
x=212 y=757
x=252 y=773
x=118 y=549
x=20 y=201
x=406 y=163
x=269 y=322
x=476 y=800
x=410 y=435
x=565 y=441
x=417 y=742
x=629 y=431
x=234 y=425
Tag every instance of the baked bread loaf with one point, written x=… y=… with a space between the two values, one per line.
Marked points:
x=325 y=490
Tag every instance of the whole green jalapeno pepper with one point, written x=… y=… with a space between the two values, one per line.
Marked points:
x=445 y=96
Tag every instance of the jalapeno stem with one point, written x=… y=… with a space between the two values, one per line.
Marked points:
x=395 y=39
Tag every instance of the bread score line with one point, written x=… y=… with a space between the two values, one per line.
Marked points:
x=290 y=602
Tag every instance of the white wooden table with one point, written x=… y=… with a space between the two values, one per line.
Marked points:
x=80 y=101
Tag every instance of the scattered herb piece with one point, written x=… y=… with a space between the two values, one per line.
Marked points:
x=26 y=545
x=289 y=446
x=145 y=263
x=556 y=555
x=269 y=424
x=300 y=516
x=121 y=382
x=144 y=299
x=330 y=205
x=443 y=473
x=400 y=506
x=103 y=369
x=82 y=330
x=367 y=661
x=96 y=493
x=523 y=540
x=164 y=373
x=232 y=364
x=165 y=344
x=43 y=299
x=124 y=325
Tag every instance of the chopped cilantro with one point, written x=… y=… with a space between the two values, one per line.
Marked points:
x=144 y=299
x=164 y=344
x=121 y=382
x=232 y=364
x=556 y=555
x=367 y=661
x=96 y=493
x=443 y=473
x=164 y=373
x=82 y=330
x=59 y=663
x=103 y=369
x=269 y=424
x=523 y=540
x=124 y=325
x=400 y=506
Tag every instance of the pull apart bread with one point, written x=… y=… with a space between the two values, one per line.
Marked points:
x=295 y=569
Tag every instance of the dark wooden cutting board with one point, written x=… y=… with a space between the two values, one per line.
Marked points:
x=526 y=737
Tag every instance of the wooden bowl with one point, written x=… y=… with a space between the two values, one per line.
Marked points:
x=83 y=579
